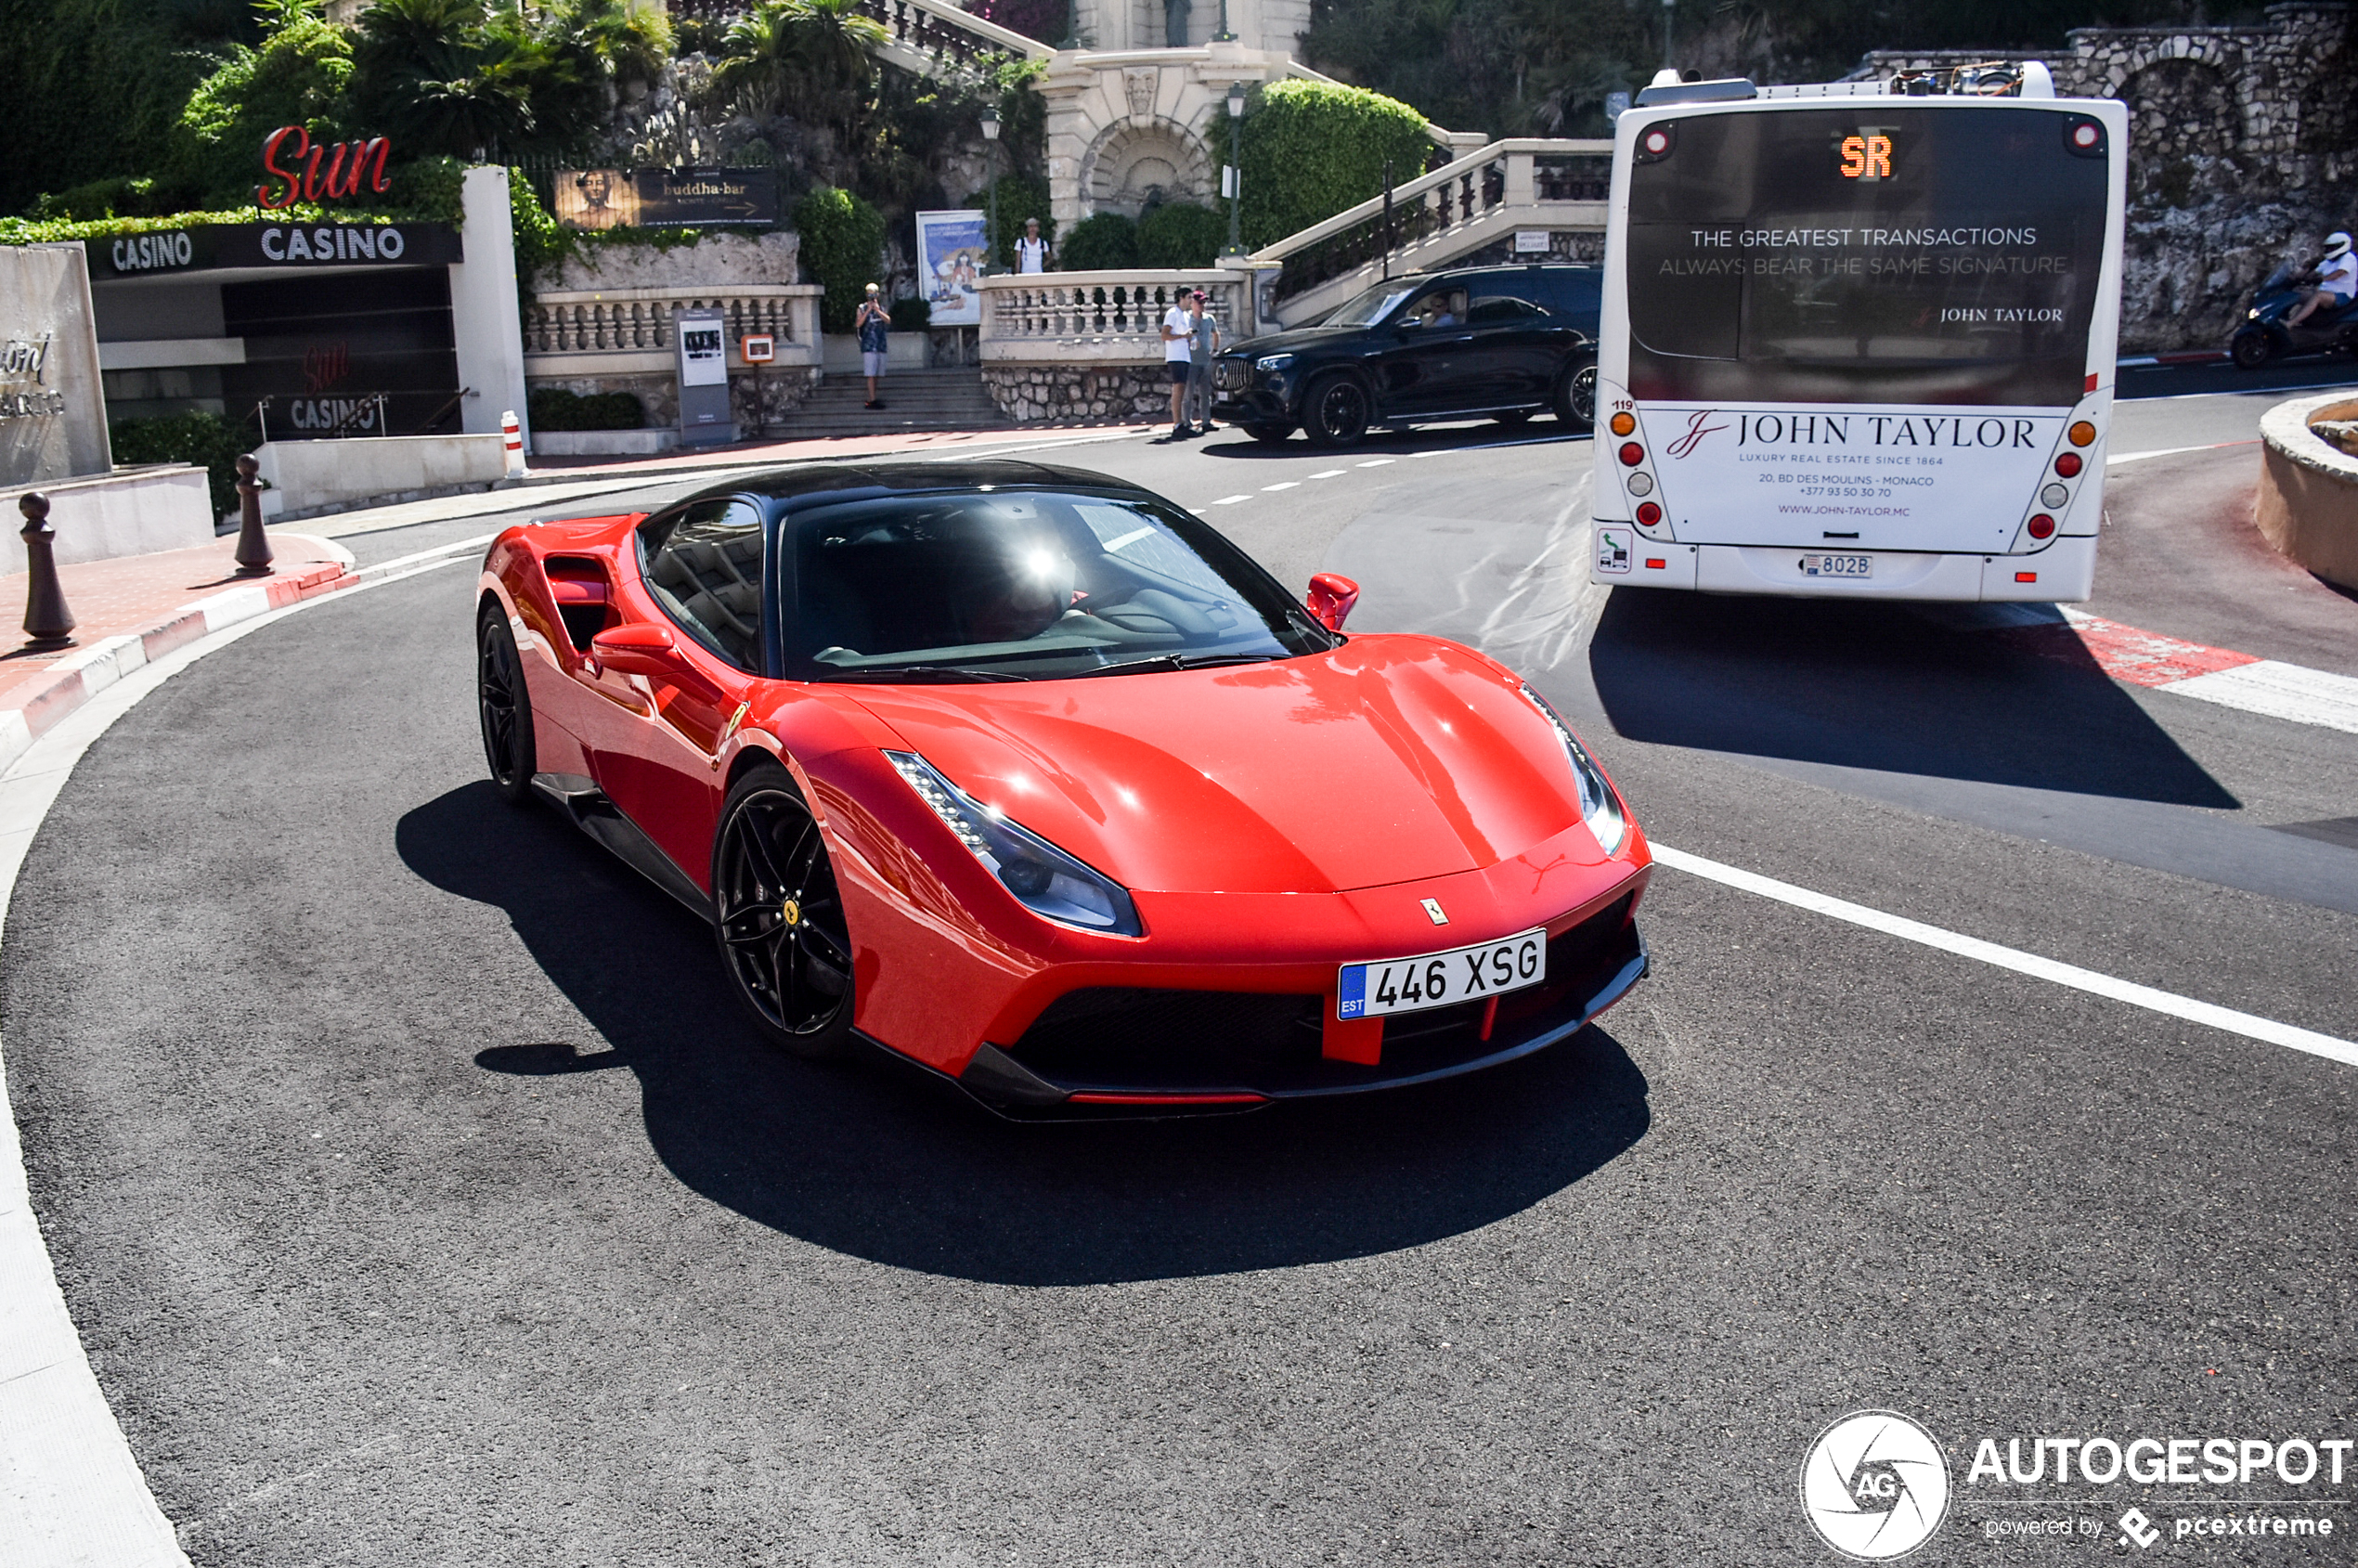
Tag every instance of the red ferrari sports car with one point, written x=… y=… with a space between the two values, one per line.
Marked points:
x=1031 y=777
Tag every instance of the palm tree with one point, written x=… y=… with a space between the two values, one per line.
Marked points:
x=453 y=76
x=807 y=57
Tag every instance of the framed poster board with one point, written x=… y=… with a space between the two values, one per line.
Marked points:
x=951 y=255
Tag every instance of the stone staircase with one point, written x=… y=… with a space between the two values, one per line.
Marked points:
x=950 y=398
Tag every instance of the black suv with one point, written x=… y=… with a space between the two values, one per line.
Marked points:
x=1508 y=342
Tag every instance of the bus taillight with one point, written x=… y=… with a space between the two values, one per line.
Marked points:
x=2069 y=465
x=2042 y=526
x=2083 y=434
x=1632 y=454
x=1624 y=422
x=1648 y=514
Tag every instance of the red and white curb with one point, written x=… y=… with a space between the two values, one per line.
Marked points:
x=72 y=1495
x=82 y=675
x=2160 y=662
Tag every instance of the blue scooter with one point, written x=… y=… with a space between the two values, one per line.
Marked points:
x=2265 y=336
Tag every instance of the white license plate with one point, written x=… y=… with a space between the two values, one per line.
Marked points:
x=1837 y=565
x=1438 y=980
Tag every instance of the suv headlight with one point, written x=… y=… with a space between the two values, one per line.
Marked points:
x=1269 y=362
x=1043 y=878
x=1598 y=809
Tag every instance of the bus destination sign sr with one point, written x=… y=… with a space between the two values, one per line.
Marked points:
x=273 y=246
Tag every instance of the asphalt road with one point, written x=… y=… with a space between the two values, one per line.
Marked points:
x=422 y=1199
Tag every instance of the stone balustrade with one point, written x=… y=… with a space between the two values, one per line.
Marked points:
x=636 y=322
x=1105 y=316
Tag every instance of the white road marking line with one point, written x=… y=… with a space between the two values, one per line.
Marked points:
x=1494 y=446
x=1331 y=473
x=1231 y=500
x=2250 y=1025
x=1375 y=462
x=2279 y=691
x=1281 y=484
x=1197 y=509
x=2173 y=451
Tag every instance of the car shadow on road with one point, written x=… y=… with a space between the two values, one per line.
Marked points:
x=1885 y=687
x=891 y=1165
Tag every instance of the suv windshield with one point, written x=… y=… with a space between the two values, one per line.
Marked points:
x=1866 y=254
x=1373 y=305
x=1029 y=584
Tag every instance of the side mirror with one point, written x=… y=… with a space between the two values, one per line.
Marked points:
x=641 y=649
x=1330 y=599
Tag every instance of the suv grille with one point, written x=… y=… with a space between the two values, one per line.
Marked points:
x=1231 y=375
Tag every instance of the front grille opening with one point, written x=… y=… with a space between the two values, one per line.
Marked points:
x=1123 y=1037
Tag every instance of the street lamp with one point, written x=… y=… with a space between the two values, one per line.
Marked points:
x=991 y=232
x=1223 y=36
x=1232 y=180
x=1667 y=7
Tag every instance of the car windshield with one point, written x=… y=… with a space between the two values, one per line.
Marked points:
x=1373 y=305
x=1028 y=584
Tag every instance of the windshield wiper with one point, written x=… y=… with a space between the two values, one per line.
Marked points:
x=941 y=673
x=1174 y=661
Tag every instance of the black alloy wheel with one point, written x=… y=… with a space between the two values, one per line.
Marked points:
x=1337 y=411
x=2252 y=348
x=1269 y=435
x=504 y=704
x=780 y=918
x=1576 y=399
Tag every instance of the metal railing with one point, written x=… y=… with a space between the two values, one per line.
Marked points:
x=1558 y=183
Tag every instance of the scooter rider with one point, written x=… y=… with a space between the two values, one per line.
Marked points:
x=2337 y=275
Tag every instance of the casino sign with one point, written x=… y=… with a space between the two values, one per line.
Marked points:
x=218 y=247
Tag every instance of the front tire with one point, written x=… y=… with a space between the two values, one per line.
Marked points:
x=1269 y=435
x=2252 y=348
x=503 y=703
x=1576 y=399
x=1336 y=412
x=779 y=916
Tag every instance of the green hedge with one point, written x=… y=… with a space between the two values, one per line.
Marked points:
x=207 y=440
x=912 y=314
x=1181 y=234
x=554 y=408
x=1020 y=197
x=1311 y=148
x=842 y=248
x=1100 y=244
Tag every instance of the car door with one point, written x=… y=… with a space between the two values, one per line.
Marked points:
x=1515 y=346
x=656 y=740
x=1430 y=341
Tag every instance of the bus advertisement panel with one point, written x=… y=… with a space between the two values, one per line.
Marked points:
x=1860 y=345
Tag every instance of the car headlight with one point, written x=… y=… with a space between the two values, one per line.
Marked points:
x=1597 y=806
x=2251 y=314
x=1043 y=877
x=1273 y=362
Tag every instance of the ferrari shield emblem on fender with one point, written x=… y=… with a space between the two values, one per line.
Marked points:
x=1432 y=911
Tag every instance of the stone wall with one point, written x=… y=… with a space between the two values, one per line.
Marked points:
x=783 y=389
x=2243 y=152
x=713 y=265
x=1079 y=393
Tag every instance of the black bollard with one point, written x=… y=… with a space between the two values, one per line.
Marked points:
x=47 y=622
x=254 y=545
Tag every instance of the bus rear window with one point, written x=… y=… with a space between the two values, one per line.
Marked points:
x=1871 y=253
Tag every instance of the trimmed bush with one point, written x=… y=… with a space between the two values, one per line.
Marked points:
x=1181 y=234
x=207 y=440
x=554 y=408
x=912 y=314
x=1311 y=148
x=842 y=249
x=1020 y=197
x=1099 y=244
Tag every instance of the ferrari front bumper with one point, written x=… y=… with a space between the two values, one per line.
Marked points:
x=1125 y=1051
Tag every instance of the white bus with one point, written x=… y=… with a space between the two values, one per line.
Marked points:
x=1860 y=341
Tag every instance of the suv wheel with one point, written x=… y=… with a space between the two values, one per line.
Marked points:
x=1576 y=399
x=1336 y=412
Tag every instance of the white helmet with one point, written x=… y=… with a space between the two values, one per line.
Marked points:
x=2337 y=243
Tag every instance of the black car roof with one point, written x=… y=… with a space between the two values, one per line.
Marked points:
x=825 y=484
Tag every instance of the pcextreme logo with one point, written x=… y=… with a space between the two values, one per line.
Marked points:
x=1874 y=1485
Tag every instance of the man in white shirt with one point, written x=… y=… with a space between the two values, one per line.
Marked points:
x=1032 y=251
x=1178 y=358
x=2336 y=281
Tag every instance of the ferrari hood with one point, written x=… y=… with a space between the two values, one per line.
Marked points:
x=1387 y=759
